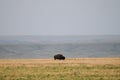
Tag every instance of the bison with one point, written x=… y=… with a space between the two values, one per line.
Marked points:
x=59 y=57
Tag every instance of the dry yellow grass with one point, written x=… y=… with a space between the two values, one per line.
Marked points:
x=97 y=61
x=69 y=69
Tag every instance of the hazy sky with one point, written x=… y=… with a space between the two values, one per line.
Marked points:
x=59 y=17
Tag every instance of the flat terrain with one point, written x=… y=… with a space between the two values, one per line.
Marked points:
x=69 y=69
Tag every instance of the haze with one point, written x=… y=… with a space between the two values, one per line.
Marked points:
x=59 y=17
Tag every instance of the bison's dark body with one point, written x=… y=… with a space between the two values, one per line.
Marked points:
x=59 y=57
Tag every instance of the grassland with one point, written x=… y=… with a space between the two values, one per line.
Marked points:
x=69 y=69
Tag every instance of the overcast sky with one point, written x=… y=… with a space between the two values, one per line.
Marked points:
x=59 y=17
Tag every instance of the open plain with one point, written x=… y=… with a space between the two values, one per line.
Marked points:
x=69 y=69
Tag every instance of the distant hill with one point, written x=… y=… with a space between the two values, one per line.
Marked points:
x=58 y=39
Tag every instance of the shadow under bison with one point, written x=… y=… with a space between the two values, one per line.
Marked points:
x=59 y=57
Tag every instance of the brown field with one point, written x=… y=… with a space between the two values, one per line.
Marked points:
x=69 y=69
x=99 y=61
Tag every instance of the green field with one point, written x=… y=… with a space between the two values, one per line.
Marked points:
x=69 y=69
